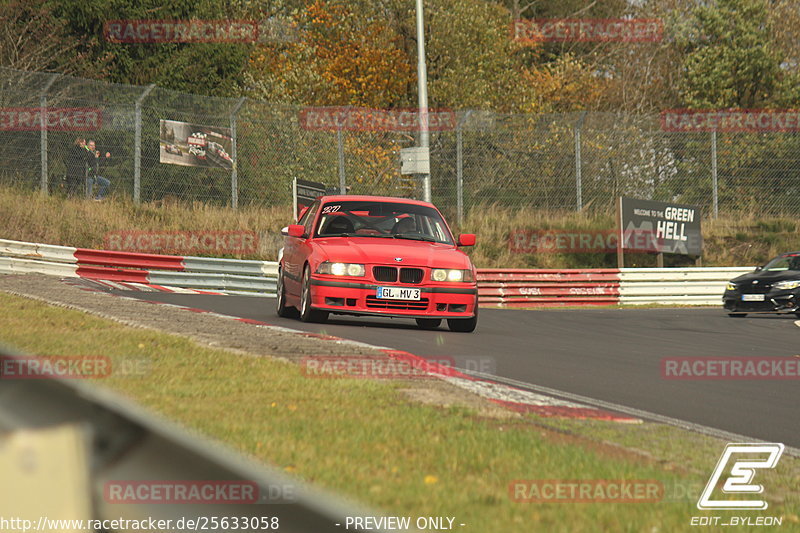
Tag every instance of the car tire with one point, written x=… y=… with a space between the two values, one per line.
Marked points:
x=737 y=315
x=464 y=325
x=797 y=314
x=282 y=309
x=307 y=314
x=429 y=323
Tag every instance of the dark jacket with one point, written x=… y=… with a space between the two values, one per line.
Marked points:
x=77 y=160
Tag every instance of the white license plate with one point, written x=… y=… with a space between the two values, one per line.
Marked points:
x=752 y=297
x=398 y=293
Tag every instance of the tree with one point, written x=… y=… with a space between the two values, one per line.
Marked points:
x=730 y=59
x=341 y=57
x=203 y=68
x=33 y=38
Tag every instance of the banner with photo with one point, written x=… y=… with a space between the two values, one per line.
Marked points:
x=183 y=143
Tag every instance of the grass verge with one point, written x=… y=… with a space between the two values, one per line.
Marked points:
x=367 y=440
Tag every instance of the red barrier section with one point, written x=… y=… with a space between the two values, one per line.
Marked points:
x=86 y=256
x=548 y=288
x=112 y=274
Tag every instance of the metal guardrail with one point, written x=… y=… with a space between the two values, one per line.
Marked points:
x=233 y=275
x=548 y=288
x=15 y=265
x=30 y=250
x=682 y=286
x=514 y=287
x=224 y=282
x=127 y=443
x=628 y=286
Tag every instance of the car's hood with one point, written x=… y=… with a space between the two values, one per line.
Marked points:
x=767 y=277
x=370 y=250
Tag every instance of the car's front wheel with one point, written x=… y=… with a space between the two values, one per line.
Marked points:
x=282 y=309
x=464 y=325
x=307 y=314
x=429 y=323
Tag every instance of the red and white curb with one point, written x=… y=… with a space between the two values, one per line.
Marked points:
x=516 y=399
x=102 y=285
x=513 y=398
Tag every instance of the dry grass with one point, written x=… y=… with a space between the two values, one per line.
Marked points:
x=29 y=216
x=734 y=240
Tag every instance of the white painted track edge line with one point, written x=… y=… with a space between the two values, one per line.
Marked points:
x=639 y=413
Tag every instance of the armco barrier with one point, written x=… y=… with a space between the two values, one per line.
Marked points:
x=499 y=287
x=548 y=288
x=682 y=286
x=123 y=444
x=628 y=286
x=230 y=275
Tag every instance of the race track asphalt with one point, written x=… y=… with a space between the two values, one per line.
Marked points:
x=613 y=355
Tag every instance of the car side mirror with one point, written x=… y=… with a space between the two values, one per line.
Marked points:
x=466 y=239
x=296 y=230
x=759 y=268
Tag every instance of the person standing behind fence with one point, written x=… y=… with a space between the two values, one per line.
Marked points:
x=77 y=166
x=94 y=177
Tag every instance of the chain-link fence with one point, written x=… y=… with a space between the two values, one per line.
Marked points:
x=553 y=161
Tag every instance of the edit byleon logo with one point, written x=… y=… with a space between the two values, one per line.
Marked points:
x=744 y=460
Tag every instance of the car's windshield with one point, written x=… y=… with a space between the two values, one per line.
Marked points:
x=786 y=262
x=390 y=220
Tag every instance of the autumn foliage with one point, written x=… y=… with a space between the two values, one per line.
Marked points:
x=339 y=59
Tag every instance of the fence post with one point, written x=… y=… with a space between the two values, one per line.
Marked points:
x=43 y=129
x=459 y=172
x=235 y=167
x=137 y=146
x=714 y=183
x=340 y=144
x=578 y=162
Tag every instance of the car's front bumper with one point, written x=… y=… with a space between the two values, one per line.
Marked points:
x=342 y=296
x=774 y=301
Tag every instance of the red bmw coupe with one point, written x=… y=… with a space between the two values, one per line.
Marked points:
x=371 y=255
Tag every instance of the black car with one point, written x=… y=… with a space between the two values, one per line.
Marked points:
x=775 y=287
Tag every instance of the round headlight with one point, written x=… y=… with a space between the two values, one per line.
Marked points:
x=455 y=275
x=354 y=269
x=439 y=275
x=338 y=269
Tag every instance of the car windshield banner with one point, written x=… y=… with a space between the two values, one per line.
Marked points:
x=673 y=228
